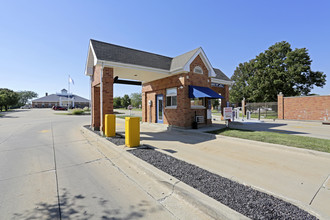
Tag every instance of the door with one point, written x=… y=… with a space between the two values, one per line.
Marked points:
x=160 y=109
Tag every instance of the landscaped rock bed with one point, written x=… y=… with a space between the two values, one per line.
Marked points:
x=245 y=200
x=119 y=139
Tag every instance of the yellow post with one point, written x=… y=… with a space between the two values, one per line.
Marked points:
x=132 y=131
x=110 y=125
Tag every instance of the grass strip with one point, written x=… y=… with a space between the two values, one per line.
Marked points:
x=124 y=116
x=276 y=138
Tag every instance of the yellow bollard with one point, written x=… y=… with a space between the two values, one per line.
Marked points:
x=110 y=125
x=132 y=131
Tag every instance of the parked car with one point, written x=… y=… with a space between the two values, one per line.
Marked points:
x=59 y=108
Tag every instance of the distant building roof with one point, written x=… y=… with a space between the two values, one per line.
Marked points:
x=63 y=94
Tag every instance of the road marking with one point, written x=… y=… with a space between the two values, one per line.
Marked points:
x=44 y=131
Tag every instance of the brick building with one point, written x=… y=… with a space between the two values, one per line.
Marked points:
x=175 y=90
x=60 y=99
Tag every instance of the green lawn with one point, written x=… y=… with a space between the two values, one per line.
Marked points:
x=276 y=138
x=124 y=116
x=134 y=109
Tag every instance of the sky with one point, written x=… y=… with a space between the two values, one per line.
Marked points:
x=43 y=42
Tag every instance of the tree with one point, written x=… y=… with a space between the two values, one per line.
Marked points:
x=24 y=97
x=278 y=69
x=116 y=102
x=8 y=98
x=125 y=101
x=136 y=99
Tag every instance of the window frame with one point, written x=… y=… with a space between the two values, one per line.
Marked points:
x=198 y=106
x=171 y=95
x=199 y=68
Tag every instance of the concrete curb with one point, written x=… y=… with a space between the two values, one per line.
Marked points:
x=179 y=193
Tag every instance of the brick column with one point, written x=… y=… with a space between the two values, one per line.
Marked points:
x=144 y=107
x=107 y=94
x=280 y=106
x=96 y=107
x=243 y=107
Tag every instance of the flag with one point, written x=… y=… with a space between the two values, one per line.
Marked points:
x=71 y=80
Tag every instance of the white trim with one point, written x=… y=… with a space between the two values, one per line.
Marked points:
x=89 y=69
x=203 y=56
x=221 y=81
x=131 y=66
x=197 y=107
x=171 y=107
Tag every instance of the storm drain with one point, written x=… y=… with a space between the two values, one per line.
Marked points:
x=243 y=199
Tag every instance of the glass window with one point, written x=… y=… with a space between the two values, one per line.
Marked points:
x=197 y=102
x=198 y=69
x=171 y=97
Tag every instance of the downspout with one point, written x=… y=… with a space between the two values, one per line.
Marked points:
x=90 y=100
x=101 y=98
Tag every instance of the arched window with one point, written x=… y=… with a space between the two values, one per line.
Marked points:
x=198 y=69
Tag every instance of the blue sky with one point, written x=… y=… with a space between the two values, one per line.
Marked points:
x=42 y=42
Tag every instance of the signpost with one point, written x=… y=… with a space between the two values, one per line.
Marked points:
x=227 y=114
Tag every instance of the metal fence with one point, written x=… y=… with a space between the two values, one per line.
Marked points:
x=262 y=109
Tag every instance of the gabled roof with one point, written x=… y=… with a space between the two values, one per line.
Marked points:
x=101 y=53
x=181 y=60
x=56 y=98
x=220 y=75
x=115 y=53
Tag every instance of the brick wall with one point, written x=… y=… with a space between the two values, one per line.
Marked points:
x=107 y=95
x=183 y=115
x=304 y=108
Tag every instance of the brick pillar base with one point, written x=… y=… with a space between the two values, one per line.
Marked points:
x=280 y=106
x=96 y=107
x=107 y=94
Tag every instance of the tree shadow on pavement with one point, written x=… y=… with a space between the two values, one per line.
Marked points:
x=72 y=208
x=263 y=127
x=179 y=136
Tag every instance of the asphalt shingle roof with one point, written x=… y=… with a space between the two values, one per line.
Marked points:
x=56 y=98
x=115 y=53
x=220 y=75
x=120 y=54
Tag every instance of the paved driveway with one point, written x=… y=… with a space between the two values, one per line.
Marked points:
x=49 y=170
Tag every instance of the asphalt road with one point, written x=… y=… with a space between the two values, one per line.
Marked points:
x=49 y=170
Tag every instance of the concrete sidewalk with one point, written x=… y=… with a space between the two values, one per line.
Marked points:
x=302 y=128
x=295 y=175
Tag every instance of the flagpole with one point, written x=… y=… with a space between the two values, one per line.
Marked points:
x=68 y=91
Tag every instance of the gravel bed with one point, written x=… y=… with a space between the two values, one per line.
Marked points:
x=119 y=139
x=245 y=200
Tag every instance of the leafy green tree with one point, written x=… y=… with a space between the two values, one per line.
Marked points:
x=116 y=102
x=24 y=97
x=125 y=101
x=8 y=98
x=278 y=69
x=240 y=88
x=136 y=99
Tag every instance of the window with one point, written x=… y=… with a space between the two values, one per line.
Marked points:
x=171 y=95
x=197 y=103
x=198 y=69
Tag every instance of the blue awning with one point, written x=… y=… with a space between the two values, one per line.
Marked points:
x=203 y=92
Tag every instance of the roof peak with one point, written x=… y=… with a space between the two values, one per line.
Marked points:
x=129 y=48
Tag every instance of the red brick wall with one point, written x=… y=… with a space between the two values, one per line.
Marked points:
x=107 y=95
x=305 y=108
x=183 y=115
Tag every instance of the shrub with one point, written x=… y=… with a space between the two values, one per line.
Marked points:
x=78 y=111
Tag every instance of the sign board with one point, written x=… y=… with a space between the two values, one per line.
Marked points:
x=227 y=113
x=217 y=85
x=130 y=107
